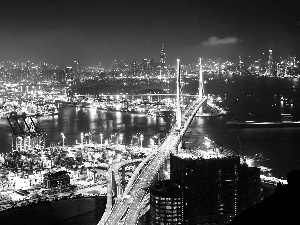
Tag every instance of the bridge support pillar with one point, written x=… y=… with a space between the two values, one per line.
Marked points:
x=166 y=165
x=161 y=173
x=123 y=178
x=179 y=148
x=119 y=191
x=114 y=188
x=109 y=189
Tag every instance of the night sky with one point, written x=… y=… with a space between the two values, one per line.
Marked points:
x=61 y=31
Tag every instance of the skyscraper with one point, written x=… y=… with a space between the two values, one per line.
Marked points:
x=162 y=60
x=134 y=68
x=145 y=67
x=152 y=67
x=75 y=67
x=211 y=186
x=166 y=203
x=270 y=64
x=162 y=56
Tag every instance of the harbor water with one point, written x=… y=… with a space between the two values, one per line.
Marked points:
x=247 y=98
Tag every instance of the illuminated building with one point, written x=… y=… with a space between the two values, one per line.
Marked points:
x=152 y=67
x=45 y=74
x=281 y=69
x=145 y=66
x=162 y=56
x=75 y=67
x=26 y=74
x=57 y=179
x=270 y=64
x=134 y=68
x=26 y=135
x=69 y=73
x=114 y=66
x=256 y=67
x=162 y=60
x=60 y=75
x=165 y=203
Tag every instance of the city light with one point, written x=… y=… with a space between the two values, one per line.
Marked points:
x=63 y=139
x=101 y=138
x=108 y=111
x=142 y=137
x=81 y=138
x=121 y=138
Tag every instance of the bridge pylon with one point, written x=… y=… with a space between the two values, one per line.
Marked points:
x=201 y=86
x=178 y=111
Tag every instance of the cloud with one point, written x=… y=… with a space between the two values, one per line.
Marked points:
x=213 y=41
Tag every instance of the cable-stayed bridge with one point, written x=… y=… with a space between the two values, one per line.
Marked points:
x=133 y=202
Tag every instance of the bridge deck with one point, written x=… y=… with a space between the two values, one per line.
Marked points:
x=127 y=210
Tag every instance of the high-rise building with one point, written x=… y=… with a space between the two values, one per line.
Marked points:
x=281 y=69
x=249 y=188
x=26 y=74
x=166 y=203
x=162 y=60
x=214 y=188
x=145 y=67
x=69 y=73
x=209 y=188
x=292 y=61
x=75 y=67
x=114 y=65
x=134 y=68
x=162 y=56
x=270 y=64
x=152 y=67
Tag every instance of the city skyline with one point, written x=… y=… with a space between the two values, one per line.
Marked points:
x=91 y=31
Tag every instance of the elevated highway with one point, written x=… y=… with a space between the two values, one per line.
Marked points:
x=133 y=202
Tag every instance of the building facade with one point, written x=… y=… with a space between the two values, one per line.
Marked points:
x=204 y=190
x=166 y=203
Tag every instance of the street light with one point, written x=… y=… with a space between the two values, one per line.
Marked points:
x=142 y=137
x=63 y=137
x=101 y=137
x=81 y=135
x=151 y=142
x=121 y=138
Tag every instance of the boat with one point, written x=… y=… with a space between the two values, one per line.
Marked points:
x=256 y=114
x=286 y=121
x=255 y=124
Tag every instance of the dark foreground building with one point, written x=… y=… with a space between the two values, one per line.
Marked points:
x=212 y=190
x=57 y=179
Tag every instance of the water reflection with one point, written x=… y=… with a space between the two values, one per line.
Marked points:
x=118 y=117
x=93 y=115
